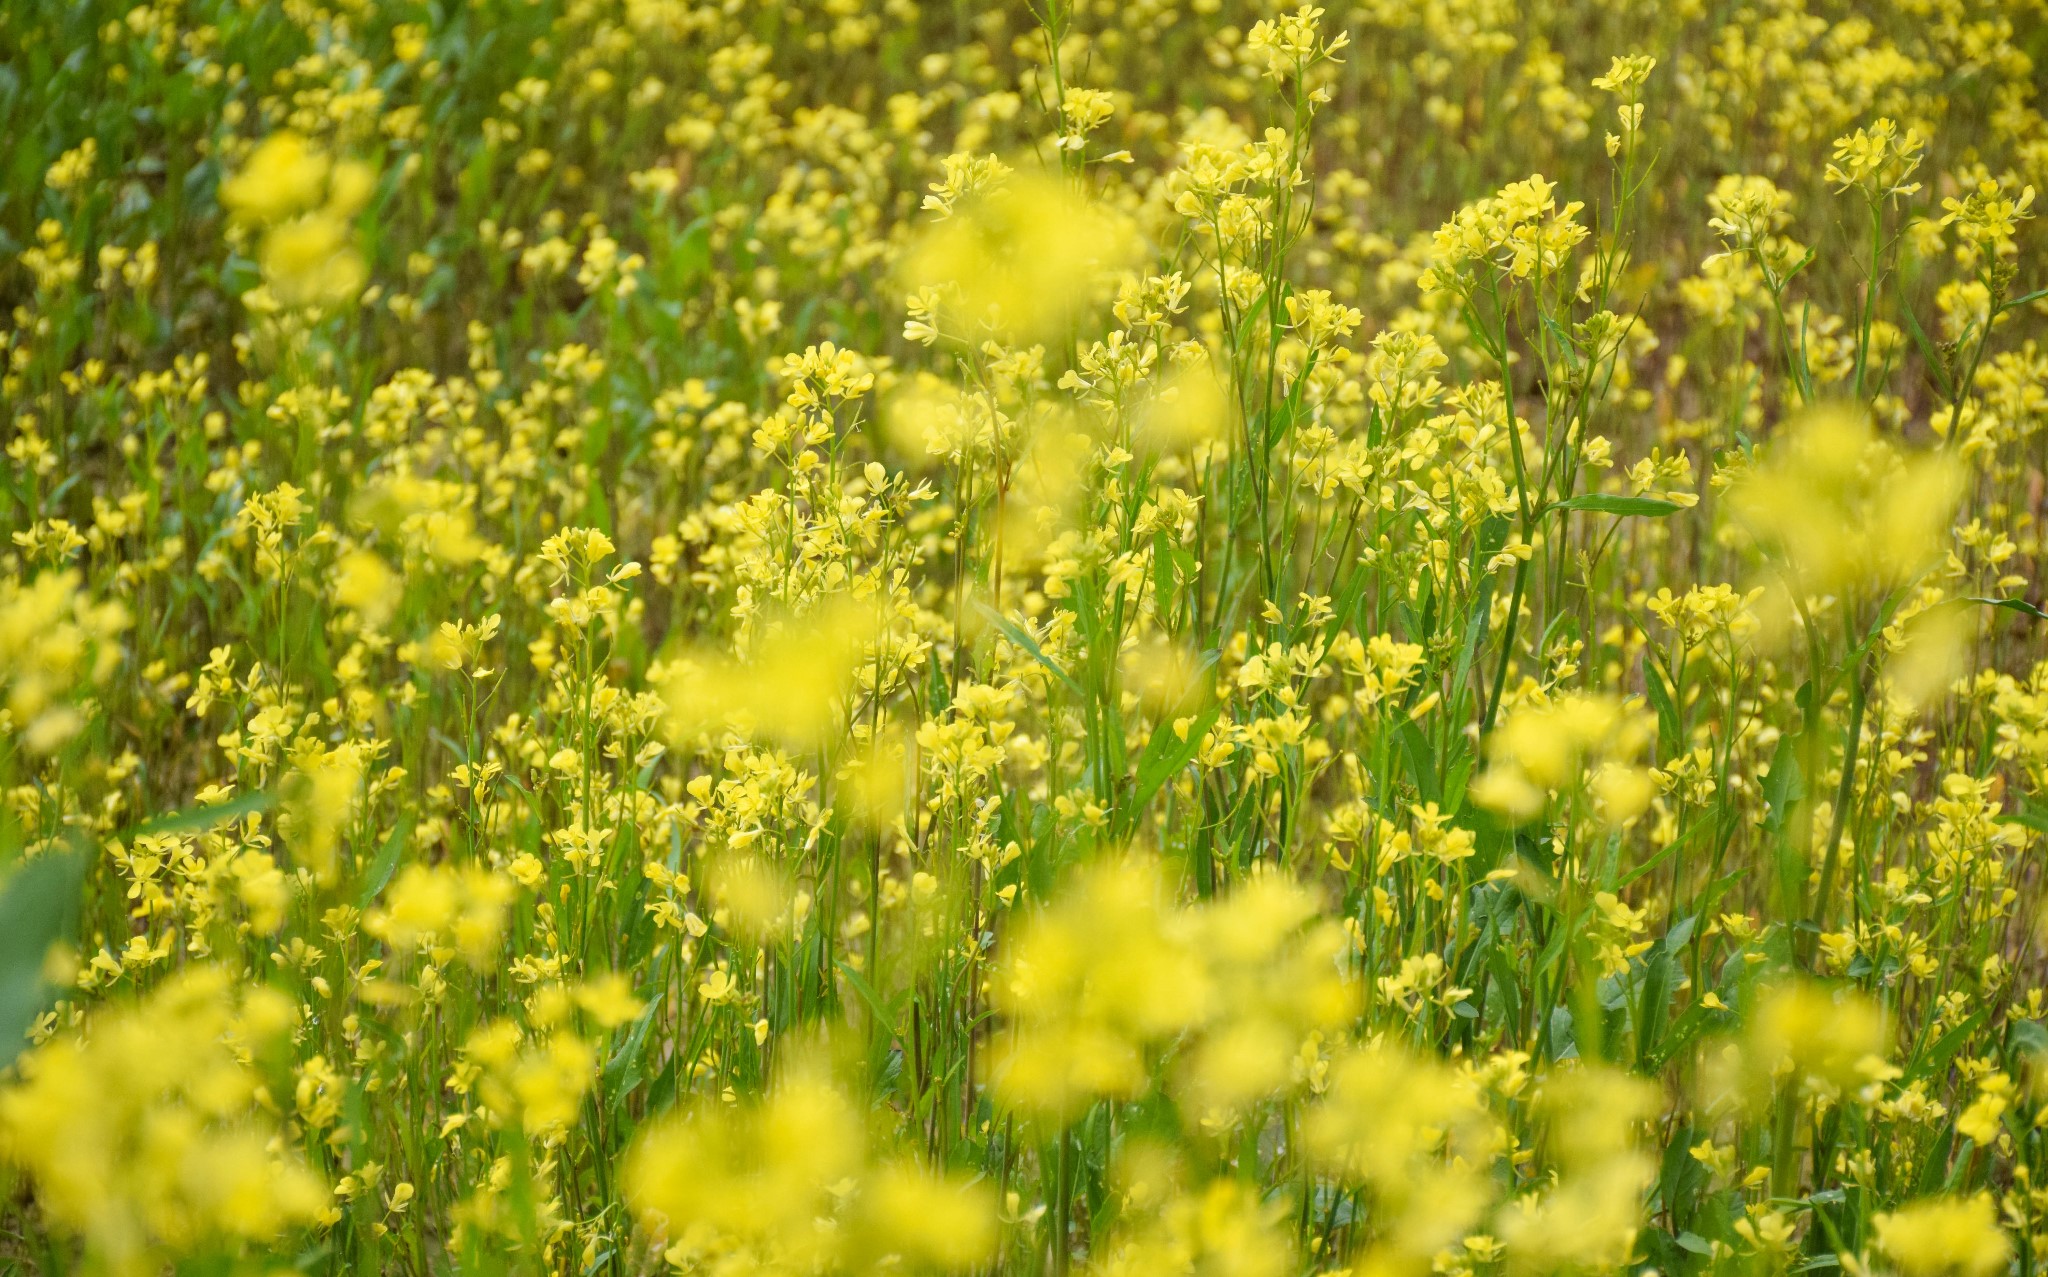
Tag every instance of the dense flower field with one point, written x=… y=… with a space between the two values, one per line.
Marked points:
x=1120 y=637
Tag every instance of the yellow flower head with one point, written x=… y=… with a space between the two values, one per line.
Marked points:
x=1944 y=1237
x=1843 y=510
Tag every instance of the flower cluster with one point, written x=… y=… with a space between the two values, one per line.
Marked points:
x=1073 y=638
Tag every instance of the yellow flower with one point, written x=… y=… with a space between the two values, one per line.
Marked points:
x=1546 y=746
x=148 y=1137
x=443 y=904
x=303 y=201
x=1944 y=1237
x=284 y=175
x=1843 y=510
x=1019 y=258
x=608 y=1000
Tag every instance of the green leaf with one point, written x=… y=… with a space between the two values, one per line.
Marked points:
x=1022 y=638
x=883 y=1015
x=1165 y=754
x=622 y=1073
x=1665 y=853
x=1944 y=1049
x=386 y=863
x=1930 y=357
x=1670 y=735
x=1421 y=762
x=2010 y=605
x=1684 y=1031
x=193 y=819
x=1784 y=788
x=38 y=908
x=2026 y=1039
x=1602 y=503
x=2029 y=815
x=1934 y=1168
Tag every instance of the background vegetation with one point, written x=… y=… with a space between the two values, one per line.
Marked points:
x=1138 y=637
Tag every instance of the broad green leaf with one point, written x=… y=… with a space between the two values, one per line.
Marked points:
x=386 y=863
x=1670 y=737
x=884 y=1016
x=1165 y=754
x=623 y=1072
x=38 y=908
x=1944 y=1049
